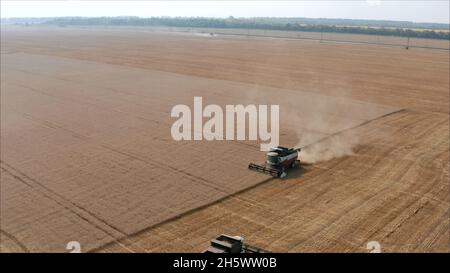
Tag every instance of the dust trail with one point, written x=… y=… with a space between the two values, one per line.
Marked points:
x=311 y=121
x=342 y=143
x=334 y=147
x=316 y=130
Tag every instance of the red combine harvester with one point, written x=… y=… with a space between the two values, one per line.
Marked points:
x=278 y=160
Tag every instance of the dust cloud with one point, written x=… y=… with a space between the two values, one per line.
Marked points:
x=316 y=132
x=332 y=147
x=319 y=124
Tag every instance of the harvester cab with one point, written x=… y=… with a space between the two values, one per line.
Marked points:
x=278 y=160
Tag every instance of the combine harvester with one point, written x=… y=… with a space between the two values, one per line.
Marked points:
x=278 y=160
x=231 y=244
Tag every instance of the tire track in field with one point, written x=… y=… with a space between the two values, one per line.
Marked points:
x=148 y=161
x=114 y=232
x=15 y=240
x=189 y=212
x=192 y=177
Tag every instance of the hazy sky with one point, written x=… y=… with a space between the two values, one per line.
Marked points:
x=416 y=11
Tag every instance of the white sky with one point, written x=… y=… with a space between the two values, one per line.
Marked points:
x=416 y=11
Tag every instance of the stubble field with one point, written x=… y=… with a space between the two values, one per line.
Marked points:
x=87 y=155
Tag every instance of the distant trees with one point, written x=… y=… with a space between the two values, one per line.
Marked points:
x=390 y=28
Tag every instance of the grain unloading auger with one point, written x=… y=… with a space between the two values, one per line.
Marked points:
x=278 y=160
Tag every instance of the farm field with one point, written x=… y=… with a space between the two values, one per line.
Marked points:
x=87 y=155
x=326 y=36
